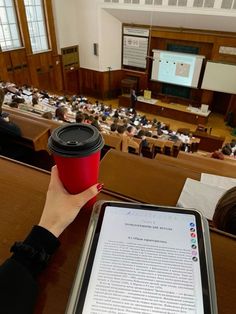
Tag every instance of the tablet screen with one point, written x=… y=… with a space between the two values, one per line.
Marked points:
x=147 y=260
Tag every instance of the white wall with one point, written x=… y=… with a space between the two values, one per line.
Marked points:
x=87 y=33
x=83 y=23
x=109 y=42
x=66 y=22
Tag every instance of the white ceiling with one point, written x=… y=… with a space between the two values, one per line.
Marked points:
x=204 y=21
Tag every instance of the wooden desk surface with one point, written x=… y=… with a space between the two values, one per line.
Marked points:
x=23 y=190
x=34 y=132
x=52 y=124
x=215 y=166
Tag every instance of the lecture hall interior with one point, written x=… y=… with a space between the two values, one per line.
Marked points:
x=179 y=57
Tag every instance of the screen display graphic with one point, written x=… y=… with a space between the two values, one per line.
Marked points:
x=176 y=68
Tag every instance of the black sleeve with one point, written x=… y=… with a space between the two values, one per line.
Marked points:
x=9 y=128
x=18 y=285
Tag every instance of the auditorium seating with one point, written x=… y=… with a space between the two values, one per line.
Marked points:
x=208 y=142
x=32 y=146
x=110 y=141
x=150 y=181
x=34 y=134
x=52 y=124
x=211 y=165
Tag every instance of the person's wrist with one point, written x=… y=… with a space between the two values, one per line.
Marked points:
x=55 y=230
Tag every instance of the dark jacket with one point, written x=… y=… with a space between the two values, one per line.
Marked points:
x=18 y=285
x=9 y=128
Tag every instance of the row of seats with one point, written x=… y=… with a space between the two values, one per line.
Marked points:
x=154 y=146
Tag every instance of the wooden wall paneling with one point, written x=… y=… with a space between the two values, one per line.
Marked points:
x=100 y=84
x=9 y=66
x=111 y=83
x=44 y=78
x=183 y=34
x=71 y=79
x=3 y=68
x=205 y=48
x=90 y=82
x=34 y=66
x=42 y=71
x=141 y=76
x=58 y=76
x=97 y=83
x=83 y=80
x=20 y=67
x=227 y=42
x=207 y=97
x=220 y=102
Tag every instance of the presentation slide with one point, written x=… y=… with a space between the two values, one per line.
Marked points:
x=146 y=262
x=176 y=68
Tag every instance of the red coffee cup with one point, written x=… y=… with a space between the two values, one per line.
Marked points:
x=76 y=150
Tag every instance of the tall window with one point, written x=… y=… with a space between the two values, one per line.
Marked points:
x=9 y=33
x=36 y=23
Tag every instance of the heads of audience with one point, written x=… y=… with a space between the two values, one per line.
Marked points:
x=104 y=118
x=121 y=129
x=148 y=134
x=61 y=113
x=80 y=117
x=47 y=115
x=225 y=213
x=131 y=131
x=113 y=127
x=141 y=134
x=96 y=123
x=227 y=150
x=217 y=154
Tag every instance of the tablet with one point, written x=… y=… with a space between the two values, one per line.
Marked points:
x=145 y=259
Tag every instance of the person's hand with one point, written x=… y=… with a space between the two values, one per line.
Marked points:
x=61 y=207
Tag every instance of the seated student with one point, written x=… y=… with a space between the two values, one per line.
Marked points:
x=35 y=98
x=142 y=136
x=126 y=140
x=7 y=127
x=131 y=131
x=18 y=285
x=224 y=217
x=217 y=154
x=121 y=129
x=113 y=127
x=18 y=98
x=61 y=114
x=144 y=120
x=96 y=123
x=47 y=115
x=104 y=120
x=148 y=134
x=116 y=114
x=80 y=117
x=233 y=147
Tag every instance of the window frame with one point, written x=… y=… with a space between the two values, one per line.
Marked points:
x=18 y=29
x=46 y=27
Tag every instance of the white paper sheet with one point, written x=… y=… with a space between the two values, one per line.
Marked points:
x=200 y=196
x=219 y=181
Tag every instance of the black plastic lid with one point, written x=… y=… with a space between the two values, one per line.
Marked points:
x=75 y=140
